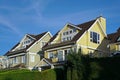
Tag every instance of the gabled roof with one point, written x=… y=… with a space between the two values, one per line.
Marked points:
x=113 y=37
x=49 y=61
x=37 y=37
x=84 y=27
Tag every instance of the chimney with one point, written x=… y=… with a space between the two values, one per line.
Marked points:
x=103 y=22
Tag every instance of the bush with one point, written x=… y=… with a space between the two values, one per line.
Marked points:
x=50 y=74
x=84 y=68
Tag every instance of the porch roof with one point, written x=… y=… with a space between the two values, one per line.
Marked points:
x=59 y=45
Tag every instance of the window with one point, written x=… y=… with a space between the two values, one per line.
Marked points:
x=64 y=33
x=94 y=37
x=70 y=31
x=50 y=55
x=32 y=58
x=27 y=42
x=74 y=30
x=60 y=56
x=64 y=39
x=68 y=38
x=23 y=59
x=67 y=33
x=67 y=51
x=15 y=60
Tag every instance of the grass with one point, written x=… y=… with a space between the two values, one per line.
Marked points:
x=50 y=74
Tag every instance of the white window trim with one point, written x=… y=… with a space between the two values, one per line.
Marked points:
x=23 y=59
x=60 y=48
x=32 y=58
x=68 y=36
x=62 y=54
x=15 y=60
x=49 y=54
x=98 y=40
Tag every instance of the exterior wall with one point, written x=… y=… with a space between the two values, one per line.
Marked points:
x=118 y=47
x=31 y=64
x=37 y=47
x=19 y=60
x=114 y=47
x=88 y=46
x=34 y=51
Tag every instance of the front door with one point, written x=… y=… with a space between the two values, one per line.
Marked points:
x=60 y=55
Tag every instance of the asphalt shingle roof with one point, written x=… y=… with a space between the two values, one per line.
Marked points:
x=37 y=37
x=113 y=37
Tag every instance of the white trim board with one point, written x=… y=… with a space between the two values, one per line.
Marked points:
x=46 y=62
x=102 y=28
x=59 y=48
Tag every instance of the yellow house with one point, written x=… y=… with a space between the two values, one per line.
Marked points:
x=114 y=44
x=90 y=36
x=27 y=53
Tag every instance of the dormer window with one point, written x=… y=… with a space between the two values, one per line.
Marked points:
x=69 y=34
x=94 y=37
x=26 y=42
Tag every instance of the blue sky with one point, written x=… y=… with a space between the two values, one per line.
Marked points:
x=18 y=17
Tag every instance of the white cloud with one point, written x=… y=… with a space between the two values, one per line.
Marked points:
x=10 y=26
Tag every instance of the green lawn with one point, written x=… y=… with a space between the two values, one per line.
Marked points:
x=29 y=75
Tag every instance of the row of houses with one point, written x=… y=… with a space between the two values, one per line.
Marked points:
x=46 y=51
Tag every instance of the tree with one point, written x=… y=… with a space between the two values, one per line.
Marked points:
x=75 y=65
